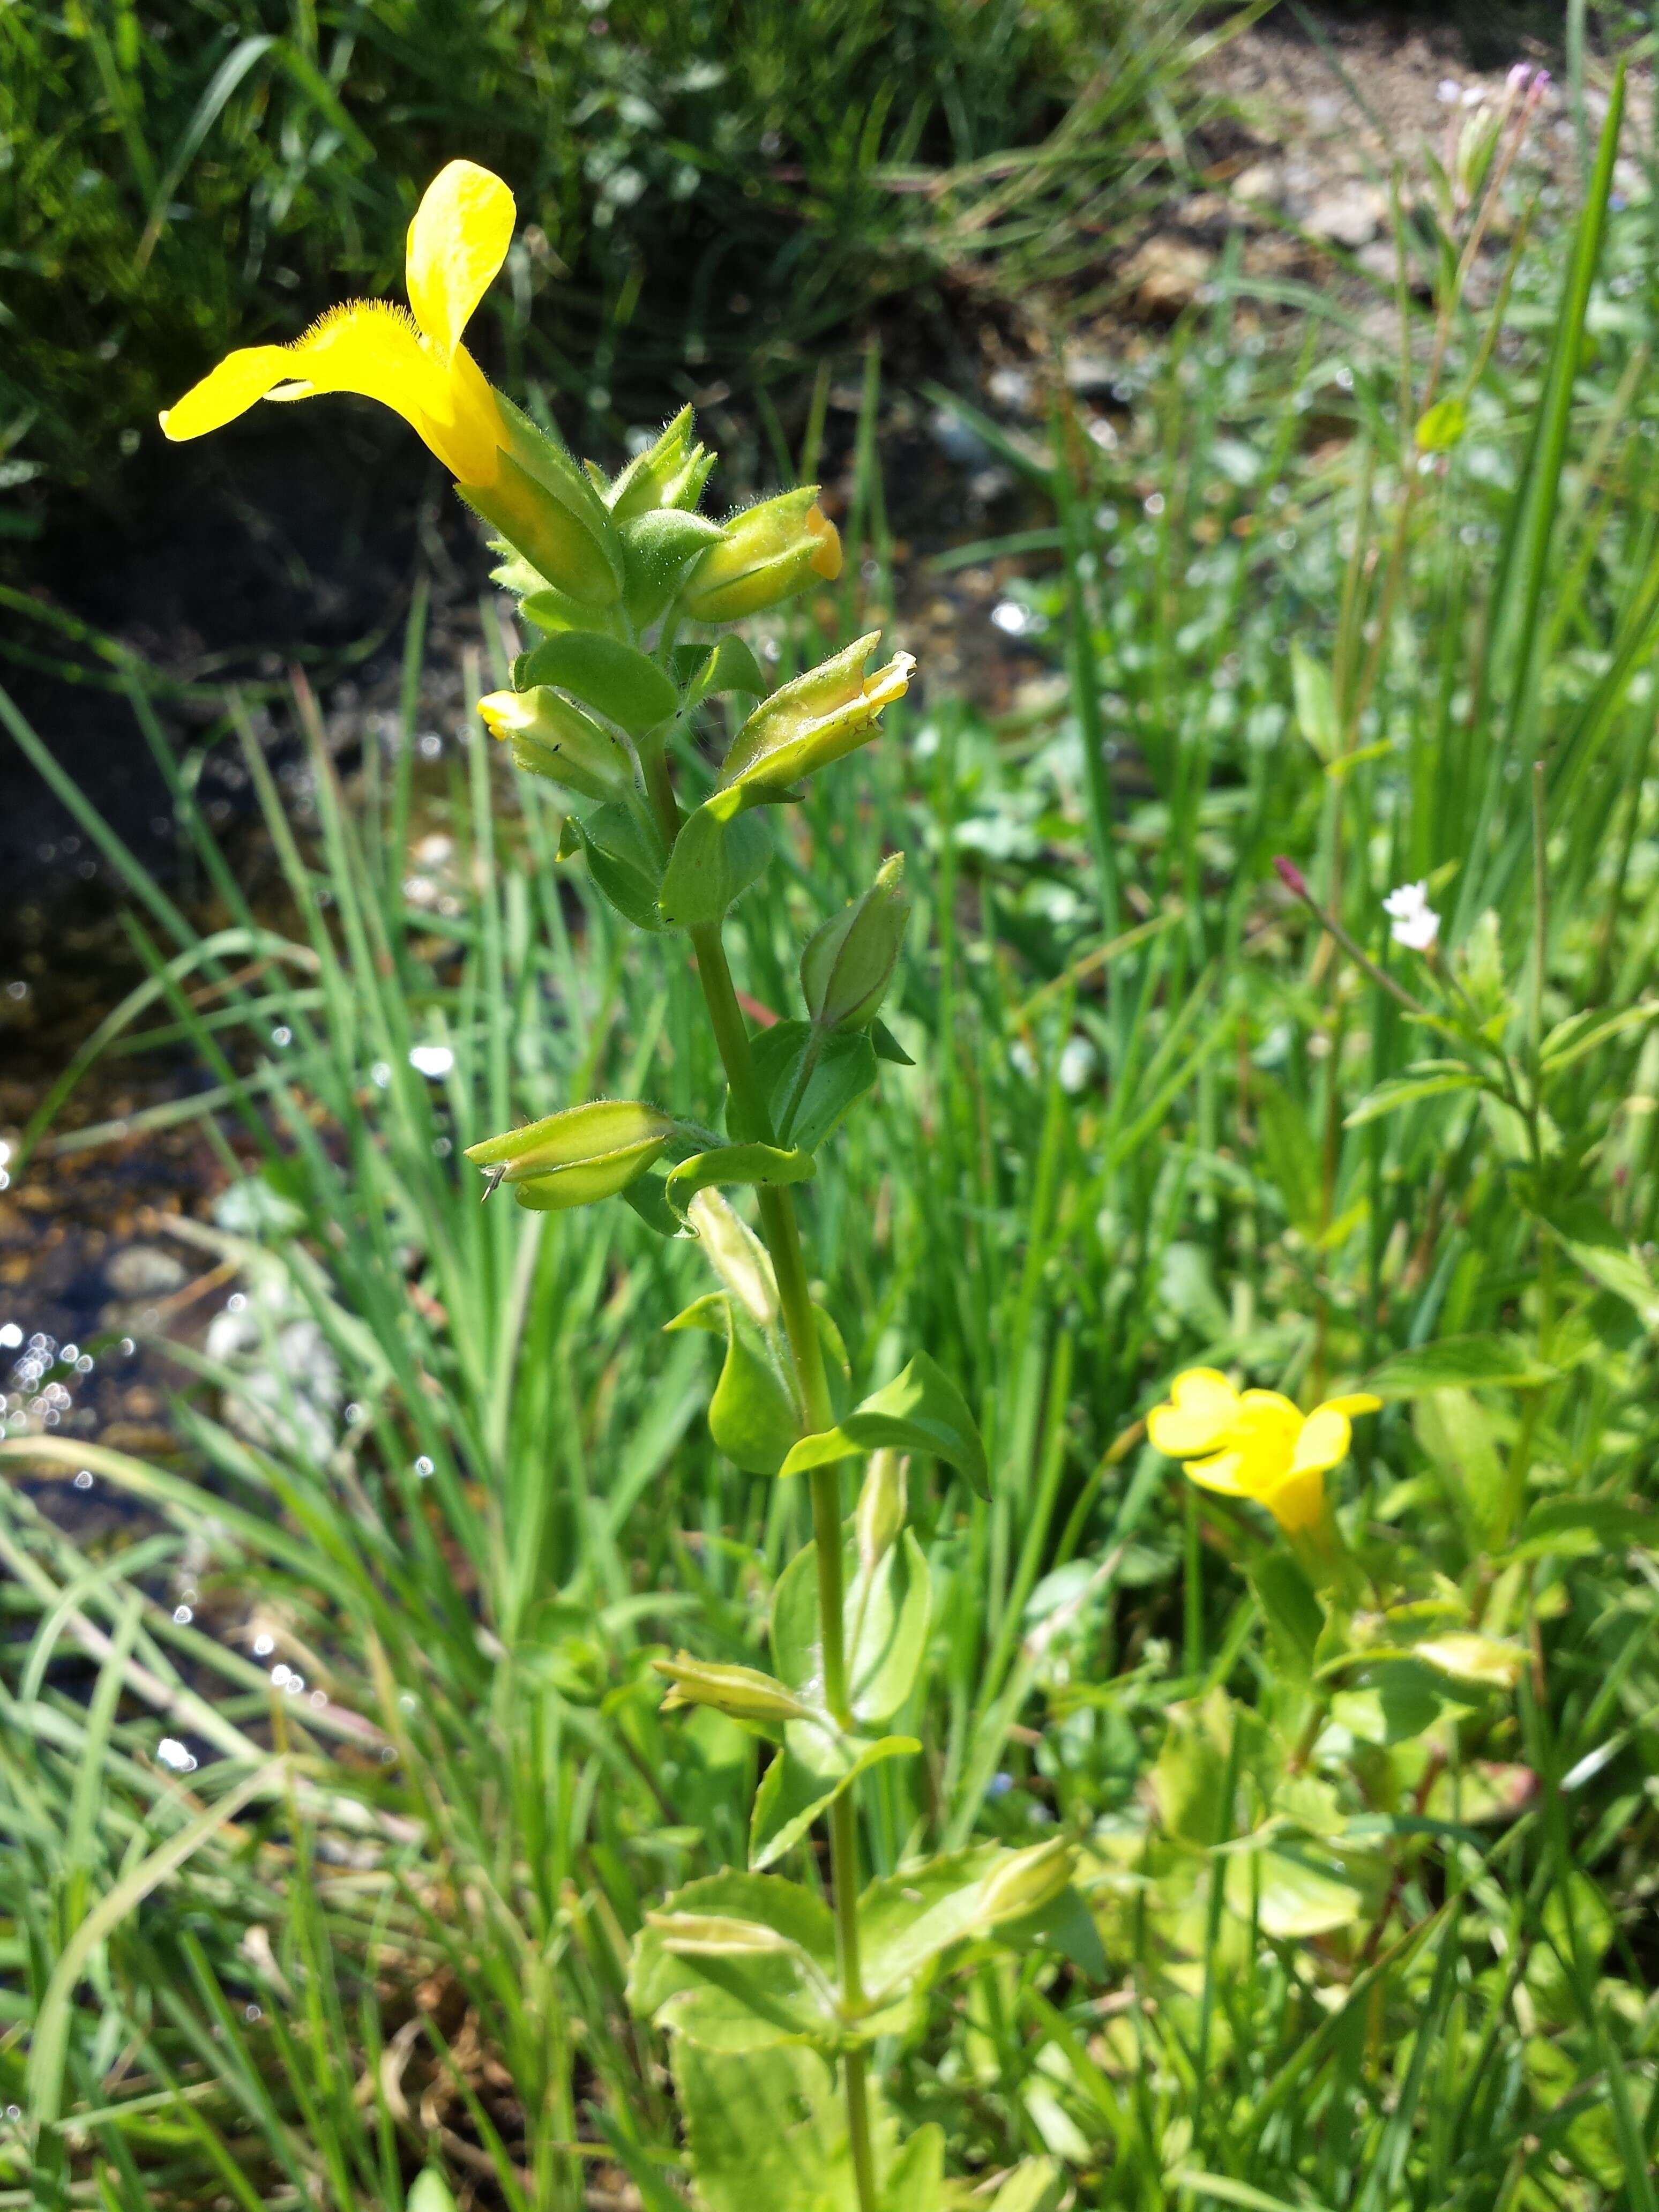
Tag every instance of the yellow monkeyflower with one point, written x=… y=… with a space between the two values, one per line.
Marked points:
x=1255 y=1444
x=410 y=359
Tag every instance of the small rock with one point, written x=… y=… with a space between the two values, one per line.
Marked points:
x=1088 y=374
x=1259 y=185
x=1010 y=388
x=1352 y=215
x=1167 y=274
x=143 y=1271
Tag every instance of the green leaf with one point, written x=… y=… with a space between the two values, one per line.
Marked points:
x=1590 y=1239
x=1293 y=1895
x=909 y=1918
x=727 y=1163
x=1442 y=426
x=1580 y=1526
x=717 y=855
x=646 y=1196
x=1457 y=1363
x=621 y=862
x=1315 y=703
x=811 y=1079
x=752 y=1416
x=615 y=680
x=1036 y=2184
x=1292 y=1609
x=1398 y=1699
x=771 y=1979
x=885 y=1617
x=657 y=548
x=805 y=1780
x=768 y=2133
x=1432 y=1079
x=1456 y=1432
x=920 y=1410
x=887 y=1046
x=707 y=671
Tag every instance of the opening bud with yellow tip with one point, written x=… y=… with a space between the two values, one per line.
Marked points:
x=550 y=738
x=815 y=719
x=578 y=1157
x=742 y=1694
x=881 y=1507
x=849 y=960
x=766 y=554
x=1029 y=1879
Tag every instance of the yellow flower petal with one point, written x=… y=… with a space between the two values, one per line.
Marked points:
x=457 y=243
x=372 y=348
x=1202 y=1403
x=227 y=391
x=1298 y=1502
x=1220 y=1473
x=1323 y=1441
x=1264 y=1434
x=1357 y=1401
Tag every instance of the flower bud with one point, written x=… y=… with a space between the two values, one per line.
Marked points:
x=737 y=1255
x=544 y=507
x=849 y=960
x=881 y=1507
x=715 y=1936
x=766 y=554
x=1028 y=1880
x=575 y=1158
x=670 y=473
x=550 y=738
x=743 y=1694
x=815 y=719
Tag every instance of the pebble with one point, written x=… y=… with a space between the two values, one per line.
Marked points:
x=143 y=1271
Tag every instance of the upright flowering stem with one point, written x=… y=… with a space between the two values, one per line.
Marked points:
x=751 y=1122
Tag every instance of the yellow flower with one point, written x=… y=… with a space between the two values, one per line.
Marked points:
x=415 y=361
x=1256 y=1443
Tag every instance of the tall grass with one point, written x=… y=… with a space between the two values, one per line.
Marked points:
x=1127 y=1146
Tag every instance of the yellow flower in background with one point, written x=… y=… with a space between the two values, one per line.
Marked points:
x=412 y=362
x=1255 y=1444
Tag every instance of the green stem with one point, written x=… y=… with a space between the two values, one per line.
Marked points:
x=750 y=1121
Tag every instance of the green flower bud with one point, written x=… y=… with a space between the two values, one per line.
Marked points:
x=578 y=1157
x=766 y=554
x=1028 y=1880
x=816 y=719
x=849 y=960
x=715 y=1936
x=743 y=1694
x=670 y=473
x=881 y=1507
x=551 y=737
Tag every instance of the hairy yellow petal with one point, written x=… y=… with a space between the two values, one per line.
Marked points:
x=457 y=243
x=372 y=348
x=227 y=391
x=1202 y=1406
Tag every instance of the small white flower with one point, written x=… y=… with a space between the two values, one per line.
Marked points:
x=1414 y=922
x=171 y=1753
x=432 y=1061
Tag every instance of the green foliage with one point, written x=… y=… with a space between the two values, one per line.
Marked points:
x=1218 y=1877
